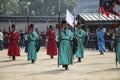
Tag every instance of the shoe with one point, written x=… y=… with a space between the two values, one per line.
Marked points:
x=32 y=61
x=13 y=58
x=52 y=57
x=66 y=67
x=101 y=53
x=63 y=66
x=79 y=59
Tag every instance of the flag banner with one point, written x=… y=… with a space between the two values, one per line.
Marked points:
x=107 y=7
x=70 y=18
x=114 y=30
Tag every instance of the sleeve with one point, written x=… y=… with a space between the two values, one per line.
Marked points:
x=54 y=35
x=37 y=36
x=29 y=37
x=71 y=35
x=84 y=33
x=16 y=36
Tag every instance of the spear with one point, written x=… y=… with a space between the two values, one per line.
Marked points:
x=9 y=33
x=59 y=32
x=115 y=40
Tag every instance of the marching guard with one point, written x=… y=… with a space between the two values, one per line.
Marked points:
x=13 y=39
x=80 y=34
x=65 y=55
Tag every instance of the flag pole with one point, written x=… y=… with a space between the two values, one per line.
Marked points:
x=59 y=32
x=9 y=34
x=99 y=9
x=115 y=40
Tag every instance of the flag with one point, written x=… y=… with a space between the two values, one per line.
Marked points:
x=70 y=18
x=28 y=27
x=108 y=7
x=118 y=2
x=114 y=30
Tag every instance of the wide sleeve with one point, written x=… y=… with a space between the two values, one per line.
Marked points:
x=84 y=33
x=53 y=36
x=16 y=36
x=47 y=35
x=36 y=36
x=71 y=35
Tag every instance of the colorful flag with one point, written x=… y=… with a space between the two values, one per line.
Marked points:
x=108 y=7
x=114 y=30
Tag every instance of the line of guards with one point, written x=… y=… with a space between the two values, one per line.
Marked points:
x=68 y=43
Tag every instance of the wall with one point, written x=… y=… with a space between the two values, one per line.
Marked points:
x=23 y=25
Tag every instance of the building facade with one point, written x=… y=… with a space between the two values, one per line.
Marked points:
x=89 y=6
x=39 y=22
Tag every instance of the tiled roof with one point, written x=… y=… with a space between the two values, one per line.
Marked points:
x=95 y=18
x=31 y=19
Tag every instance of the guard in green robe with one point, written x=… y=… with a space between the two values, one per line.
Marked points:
x=118 y=44
x=65 y=55
x=32 y=38
x=80 y=34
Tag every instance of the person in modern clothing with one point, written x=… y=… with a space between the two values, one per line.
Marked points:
x=1 y=40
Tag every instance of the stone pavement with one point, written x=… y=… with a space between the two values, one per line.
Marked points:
x=92 y=67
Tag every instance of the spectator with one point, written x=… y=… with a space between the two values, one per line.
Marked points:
x=21 y=39
x=1 y=40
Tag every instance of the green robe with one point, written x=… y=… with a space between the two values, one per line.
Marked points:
x=80 y=34
x=65 y=49
x=118 y=44
x=32 y=37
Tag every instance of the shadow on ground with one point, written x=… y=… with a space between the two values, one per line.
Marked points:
x=52 y=72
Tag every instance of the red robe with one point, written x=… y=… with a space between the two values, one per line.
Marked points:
x=13 y=47
x=51 y=43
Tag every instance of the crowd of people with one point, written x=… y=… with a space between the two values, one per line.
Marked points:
x=61 y=41
x=91 y=40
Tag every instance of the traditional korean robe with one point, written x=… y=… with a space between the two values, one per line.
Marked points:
x=51 y=43
x=118 y=44
x=13 y=47
x=80 y=34
x=65 y=48
x=101 y=41
x=32 y=38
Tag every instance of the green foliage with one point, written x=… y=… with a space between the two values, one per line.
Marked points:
x=36 y=7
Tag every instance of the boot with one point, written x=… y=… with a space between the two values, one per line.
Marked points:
x=33 y=61
x=52 y=57
x=66 y=67
x=101 y=53
x=63 y=66
x=13 y=58
x=79 y=59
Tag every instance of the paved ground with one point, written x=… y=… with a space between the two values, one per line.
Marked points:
x=92 y=67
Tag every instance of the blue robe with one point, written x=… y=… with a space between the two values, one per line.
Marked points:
x=65 y=48
x=32 y=38
x=101 y=41
x=80 y=34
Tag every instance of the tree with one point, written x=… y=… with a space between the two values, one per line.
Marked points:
x=36 y=7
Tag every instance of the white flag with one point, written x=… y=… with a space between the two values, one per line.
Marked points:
x=69 y=18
